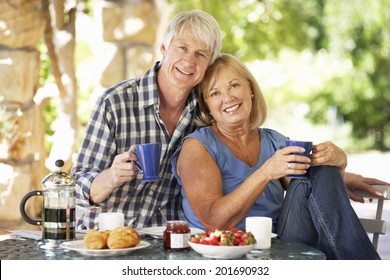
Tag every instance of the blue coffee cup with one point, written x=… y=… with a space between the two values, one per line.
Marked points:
x=148 y=160
x=307 y=145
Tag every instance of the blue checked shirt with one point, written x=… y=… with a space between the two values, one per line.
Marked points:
x=126 y=114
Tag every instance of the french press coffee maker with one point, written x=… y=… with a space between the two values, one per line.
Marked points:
x=58 y=208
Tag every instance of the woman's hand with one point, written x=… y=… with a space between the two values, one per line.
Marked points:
x=328 y=153
x=284 y=163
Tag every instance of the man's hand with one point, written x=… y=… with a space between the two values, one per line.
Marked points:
x=358 y=182
x=122 y=170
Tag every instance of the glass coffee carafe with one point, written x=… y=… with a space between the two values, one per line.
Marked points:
x=58 y=208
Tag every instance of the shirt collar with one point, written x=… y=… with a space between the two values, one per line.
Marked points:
x=148 y=90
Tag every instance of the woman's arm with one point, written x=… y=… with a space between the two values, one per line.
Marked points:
x=202 y=182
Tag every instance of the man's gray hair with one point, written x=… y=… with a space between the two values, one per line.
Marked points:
x=203 y=25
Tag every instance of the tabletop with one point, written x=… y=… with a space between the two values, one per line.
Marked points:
x=17 y=248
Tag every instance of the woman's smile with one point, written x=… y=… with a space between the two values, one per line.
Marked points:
x=233 y=108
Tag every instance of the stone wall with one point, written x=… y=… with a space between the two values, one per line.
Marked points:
x=21 y=162
x=129 y=27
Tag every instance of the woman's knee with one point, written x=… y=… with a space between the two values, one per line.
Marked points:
x=325 y=171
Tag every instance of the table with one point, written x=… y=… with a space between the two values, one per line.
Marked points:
x=16 y=248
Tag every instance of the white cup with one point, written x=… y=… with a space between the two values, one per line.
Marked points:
x=111 y=220
x=261 y=228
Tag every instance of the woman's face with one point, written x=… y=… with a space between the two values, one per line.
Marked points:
x=230 y=98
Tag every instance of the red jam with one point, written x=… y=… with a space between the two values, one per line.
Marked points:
x=176 y=235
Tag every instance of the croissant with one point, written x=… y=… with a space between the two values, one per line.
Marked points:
x=123 y=237
x=94 y=239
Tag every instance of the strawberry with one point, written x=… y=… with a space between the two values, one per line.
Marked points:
x=193 y=239
x=248 y=238
x=198 y=236
x=212 y=240
x=203 y=241
x=217 y=237
x=227 y=239
x=239 y=234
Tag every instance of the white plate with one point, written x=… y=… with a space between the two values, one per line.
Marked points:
x=221 y=252
x=78 y=246
x=157 y=232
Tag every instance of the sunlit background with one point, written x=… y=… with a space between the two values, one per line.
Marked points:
x=323 y=66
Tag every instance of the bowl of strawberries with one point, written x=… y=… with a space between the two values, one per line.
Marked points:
x=223 y=244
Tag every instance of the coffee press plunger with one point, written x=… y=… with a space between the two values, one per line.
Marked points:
x=58 y=209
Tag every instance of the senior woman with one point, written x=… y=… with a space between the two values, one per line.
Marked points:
x=239 y=169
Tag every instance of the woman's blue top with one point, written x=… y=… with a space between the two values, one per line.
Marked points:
x=234 y=172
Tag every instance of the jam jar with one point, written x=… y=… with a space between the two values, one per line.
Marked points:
x=176 y=235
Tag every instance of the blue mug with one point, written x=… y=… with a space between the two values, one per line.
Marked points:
x=307 y=145
x=149 y=160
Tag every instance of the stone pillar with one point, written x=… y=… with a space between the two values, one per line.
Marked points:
x=21 y=122
x=129 y=29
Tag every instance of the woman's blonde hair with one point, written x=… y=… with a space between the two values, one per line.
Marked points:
x=258 y=113
x=203 y=26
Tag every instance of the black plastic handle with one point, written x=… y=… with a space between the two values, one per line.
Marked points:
x=23 y=211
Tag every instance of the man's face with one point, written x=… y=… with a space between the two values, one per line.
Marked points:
x=185 y=61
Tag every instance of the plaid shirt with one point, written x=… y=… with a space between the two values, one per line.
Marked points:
x=126 y=114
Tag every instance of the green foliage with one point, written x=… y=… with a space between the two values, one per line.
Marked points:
x=360 y=32
x=45 y=75
x=354 y=37
x=49 y=117
x=260 y=29
x=86 y=6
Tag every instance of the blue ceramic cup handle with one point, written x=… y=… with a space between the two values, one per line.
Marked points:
x=136 y=164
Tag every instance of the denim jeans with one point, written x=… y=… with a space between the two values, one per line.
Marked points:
x=317 y=211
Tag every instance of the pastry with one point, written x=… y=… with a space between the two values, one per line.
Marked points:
x=123 y=237
x=94 y=239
